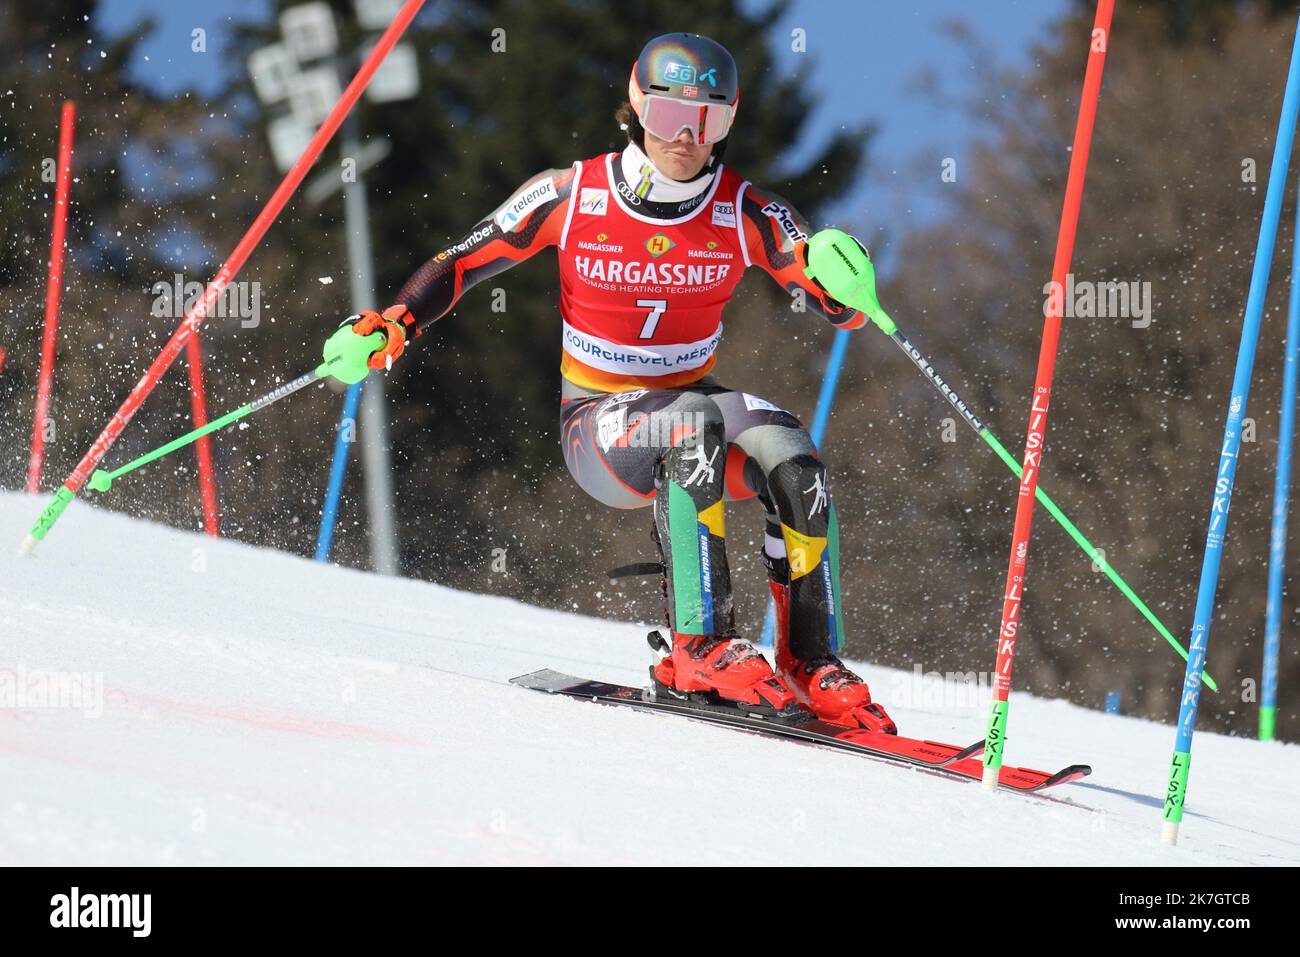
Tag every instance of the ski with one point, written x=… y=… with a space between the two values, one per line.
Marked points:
x=934 y=755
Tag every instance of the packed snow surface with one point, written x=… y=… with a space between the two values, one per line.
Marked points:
x=167 y=698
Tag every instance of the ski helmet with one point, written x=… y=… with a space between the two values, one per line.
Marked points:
x=683 y=81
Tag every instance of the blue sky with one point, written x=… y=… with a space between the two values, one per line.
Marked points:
x=874 y=72
x=868 y=60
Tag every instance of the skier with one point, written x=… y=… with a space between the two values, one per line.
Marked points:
x=651 y=243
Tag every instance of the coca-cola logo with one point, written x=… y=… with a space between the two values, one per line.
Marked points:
x=690 y=204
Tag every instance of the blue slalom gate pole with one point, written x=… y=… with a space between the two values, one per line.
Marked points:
x=1176 y=792
x=330 y=512
x=822 y=415
x=1281 y=497
x=830 y=382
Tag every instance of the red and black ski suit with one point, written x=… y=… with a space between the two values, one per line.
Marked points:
x=642 y=289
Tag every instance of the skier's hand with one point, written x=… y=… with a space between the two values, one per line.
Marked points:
x=392 y=322
x=839 y=264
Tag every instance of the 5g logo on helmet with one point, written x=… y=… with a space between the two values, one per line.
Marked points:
x=680 y=73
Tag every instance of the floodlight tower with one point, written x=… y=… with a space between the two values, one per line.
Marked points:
x=298 y=79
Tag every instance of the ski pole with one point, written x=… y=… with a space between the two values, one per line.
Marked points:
x=101 y=480
x=1040 y=496
x=859 y=292
x=346 y=356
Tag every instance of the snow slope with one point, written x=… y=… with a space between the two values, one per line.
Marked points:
x=245 y=706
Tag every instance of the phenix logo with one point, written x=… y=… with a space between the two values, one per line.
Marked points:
x=786 y=221
x=103 y=910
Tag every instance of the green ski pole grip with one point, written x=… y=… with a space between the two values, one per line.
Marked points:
x=841 y=266
x=347 y=355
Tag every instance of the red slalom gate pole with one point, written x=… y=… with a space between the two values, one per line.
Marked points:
x=202 y=447
x=53 y=296
x=195 y=315
x=995 y=738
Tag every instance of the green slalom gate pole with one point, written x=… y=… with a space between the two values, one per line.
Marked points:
x=844 y=269
x=346 y=358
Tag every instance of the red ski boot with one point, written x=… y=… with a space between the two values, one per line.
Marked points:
x=834 y=693
x=721 y=669
x=824 y=685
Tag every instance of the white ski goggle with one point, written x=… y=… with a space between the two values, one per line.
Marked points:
x=707 y=123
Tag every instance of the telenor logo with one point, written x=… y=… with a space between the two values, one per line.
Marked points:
x=102 y=910
x=513 y=212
